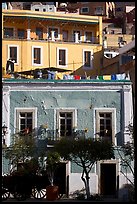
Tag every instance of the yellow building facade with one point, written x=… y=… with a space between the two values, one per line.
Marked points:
x=38 y=40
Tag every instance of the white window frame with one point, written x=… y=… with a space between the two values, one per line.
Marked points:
x=66 y=59
x=97 y=123
x=91 y=58
x=84 y=11
x=41 y=56
x=54 y=27
x=18 y=111
x=17 y=46
x=61 y=110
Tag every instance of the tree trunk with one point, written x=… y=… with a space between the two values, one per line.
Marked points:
x=86 y=182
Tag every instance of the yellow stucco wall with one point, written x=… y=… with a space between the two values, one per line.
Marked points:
x=32 y=19
x=49 y=54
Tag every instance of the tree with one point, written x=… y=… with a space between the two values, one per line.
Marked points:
x=23 y=151
x=52 y=160
x=85 y=153
x=126 y=153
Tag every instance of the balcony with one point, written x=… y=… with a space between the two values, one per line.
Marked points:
x=95 y=40
x=52 y=136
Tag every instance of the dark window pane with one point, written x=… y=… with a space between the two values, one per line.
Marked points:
x=37 y=55
x=62 y=56
x=29 y=114
x=13 y=54
x=87 y=58
x=69 y=114
x=62 y=114
x=21 y=33
x=22 y=114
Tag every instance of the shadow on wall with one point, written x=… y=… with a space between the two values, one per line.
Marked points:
x=119 y=139
x=127 y=193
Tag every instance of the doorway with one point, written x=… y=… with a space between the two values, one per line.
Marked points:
x=108 y=179
x=60 y=178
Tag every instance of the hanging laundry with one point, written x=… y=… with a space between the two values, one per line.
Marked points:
x=59 y=76
x=100 y=77
x=51 y=75
x=120 y=76
x=107 y=77
x=77 y=77
x=113 y=77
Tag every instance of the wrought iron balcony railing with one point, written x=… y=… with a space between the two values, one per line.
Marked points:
x=54 y=135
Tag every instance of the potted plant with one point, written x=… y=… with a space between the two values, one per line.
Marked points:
x=52 y=161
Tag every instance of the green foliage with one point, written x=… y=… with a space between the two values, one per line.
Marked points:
x=86 y=149
x=23 y=148
x=84 y=153
x=52 y=161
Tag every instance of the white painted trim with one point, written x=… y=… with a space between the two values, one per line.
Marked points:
x=17 y=46
x=41 y=55
x=91 y=58
x=108 y=109
x=69 y=109
x=66 y=60
x=24 y=109
x=113 y=161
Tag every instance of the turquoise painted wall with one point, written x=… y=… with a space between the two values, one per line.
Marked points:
x=83 y=101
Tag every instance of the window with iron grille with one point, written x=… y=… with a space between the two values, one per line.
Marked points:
x=25 y=119
x=105 y=124
x=65 y=124
x=66 y=121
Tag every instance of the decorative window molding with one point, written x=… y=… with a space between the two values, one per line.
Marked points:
x=66 y=121
x=37 y=53
x=105 y=123
x=87 y=59
x=25 y=117
x=13 y=53
x=62 y=57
